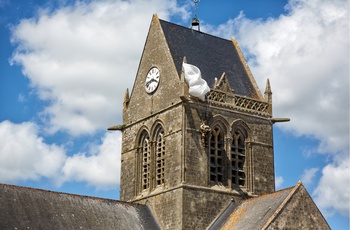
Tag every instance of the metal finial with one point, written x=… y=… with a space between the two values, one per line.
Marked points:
x=195 y=21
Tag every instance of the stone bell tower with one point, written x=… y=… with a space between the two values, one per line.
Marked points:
x=187 y=159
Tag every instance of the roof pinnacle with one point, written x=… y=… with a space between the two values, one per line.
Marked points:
x=268 y=95
x=268 y=91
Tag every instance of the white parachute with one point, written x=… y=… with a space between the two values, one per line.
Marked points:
x=198 y=87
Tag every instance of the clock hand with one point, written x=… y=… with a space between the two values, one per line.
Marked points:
x=150 y=81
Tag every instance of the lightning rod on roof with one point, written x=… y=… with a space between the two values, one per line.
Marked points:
x=195 y=21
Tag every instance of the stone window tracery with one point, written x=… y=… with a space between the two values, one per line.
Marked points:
x=150 y=159
x=227 y=154
x=146 y=161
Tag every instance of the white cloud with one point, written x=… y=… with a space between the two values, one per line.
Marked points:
x=308 y=175
x=305 y=54
x=79 y=59
x=82 y=58
x=333 y=192
x=100 y=167
x=306 y=57
x=25 y=156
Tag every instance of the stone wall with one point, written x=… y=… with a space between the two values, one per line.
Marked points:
x=167 y=208
x=130 y=175
x=299 y=213
x=186 y=200
x=201 y=206
x=259 y=163
x=156 y=54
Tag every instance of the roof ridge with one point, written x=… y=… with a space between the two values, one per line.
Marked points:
x=200 y=32
x=68 y=194
x=284 y=189
x=265 y=195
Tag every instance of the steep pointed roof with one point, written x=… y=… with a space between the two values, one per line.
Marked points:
x=26 y=208
x=212 y=55
x=263 y=211
x=223 y=84
x=252 y=213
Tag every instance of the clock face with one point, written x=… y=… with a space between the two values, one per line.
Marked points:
x=152 y=80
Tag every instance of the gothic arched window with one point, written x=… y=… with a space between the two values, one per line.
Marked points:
x=216 y=155
x=160 y=156
x=238 y=158
x=146 y=160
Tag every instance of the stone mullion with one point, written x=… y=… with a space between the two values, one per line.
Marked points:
x=216 y=156
x=137 y=172
x=209 y=159
x=229 y=161
x=249 y=166
x=152 y=182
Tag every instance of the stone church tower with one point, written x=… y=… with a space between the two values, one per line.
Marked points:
x=185 y=158
x=187 y=162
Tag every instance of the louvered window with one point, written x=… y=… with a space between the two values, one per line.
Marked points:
x=146 y=162
x=238 y=159
x=160 y=157
x=216 y=155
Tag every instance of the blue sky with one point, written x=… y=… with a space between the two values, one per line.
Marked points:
x=65 y=65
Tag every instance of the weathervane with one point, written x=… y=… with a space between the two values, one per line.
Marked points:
x=195 y=21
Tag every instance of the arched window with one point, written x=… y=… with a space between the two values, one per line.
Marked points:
x=216 y=155
x=146 y=160
x=160 y=156
x=238 y=158
x=151 y=159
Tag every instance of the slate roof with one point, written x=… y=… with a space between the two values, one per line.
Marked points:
x=211 y=54
x=252 y=213
x=26 y=208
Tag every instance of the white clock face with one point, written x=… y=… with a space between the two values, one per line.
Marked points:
x=152 y=80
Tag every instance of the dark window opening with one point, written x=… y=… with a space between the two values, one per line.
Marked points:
x=238 y=159
x=217 y=152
